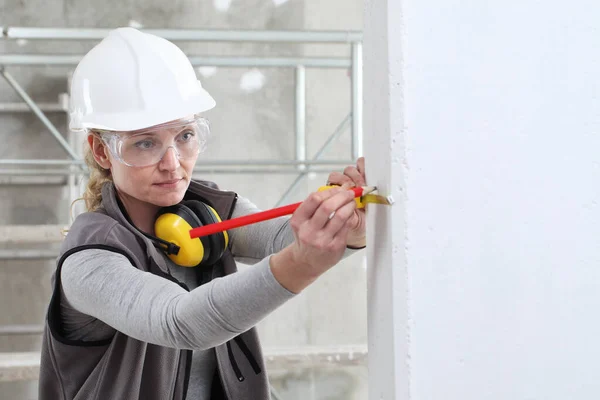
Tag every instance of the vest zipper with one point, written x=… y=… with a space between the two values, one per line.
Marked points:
x=240 y=342
x=234 y=364
x=188 y=370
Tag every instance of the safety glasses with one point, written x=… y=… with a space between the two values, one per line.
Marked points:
x=148 y=146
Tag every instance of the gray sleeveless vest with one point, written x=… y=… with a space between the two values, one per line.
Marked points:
x=123 y=368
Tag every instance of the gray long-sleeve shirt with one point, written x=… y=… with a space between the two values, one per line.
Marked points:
x=104 y=293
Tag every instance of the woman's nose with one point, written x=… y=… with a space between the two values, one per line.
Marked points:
x=170 y=160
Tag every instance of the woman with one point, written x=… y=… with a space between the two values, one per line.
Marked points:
x=127 y=322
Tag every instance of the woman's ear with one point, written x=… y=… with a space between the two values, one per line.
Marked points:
x=99 y=151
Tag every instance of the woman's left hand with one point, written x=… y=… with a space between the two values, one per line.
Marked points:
x=351 y=177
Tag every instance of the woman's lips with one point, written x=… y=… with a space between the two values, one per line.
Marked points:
x=169 y=184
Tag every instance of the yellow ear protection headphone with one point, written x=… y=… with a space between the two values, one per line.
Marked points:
x=172 y=228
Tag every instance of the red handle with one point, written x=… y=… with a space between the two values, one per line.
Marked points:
x=252 y=218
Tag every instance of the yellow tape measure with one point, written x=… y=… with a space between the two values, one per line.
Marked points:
x=360 y=201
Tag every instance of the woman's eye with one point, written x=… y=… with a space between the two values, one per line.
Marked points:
x=187 y=136
x=144 y=144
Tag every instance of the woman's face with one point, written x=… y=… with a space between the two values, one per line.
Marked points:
x=163 y=183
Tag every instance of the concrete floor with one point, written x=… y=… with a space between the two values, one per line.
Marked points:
x=260 y=120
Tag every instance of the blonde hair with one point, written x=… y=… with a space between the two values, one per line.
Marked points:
x=97 y=178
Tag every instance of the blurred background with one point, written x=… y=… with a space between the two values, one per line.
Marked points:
x=283 y=121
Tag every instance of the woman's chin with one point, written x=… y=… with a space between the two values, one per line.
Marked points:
x=169 y=198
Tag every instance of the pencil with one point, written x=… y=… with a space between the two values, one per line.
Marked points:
x=259 y=217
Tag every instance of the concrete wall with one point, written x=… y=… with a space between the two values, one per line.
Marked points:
x=258 y=119
x=500 y=117
x=387 y=240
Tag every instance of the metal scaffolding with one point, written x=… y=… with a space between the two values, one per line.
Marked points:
x=300 y=166
x=354 y=39
x=73 y=167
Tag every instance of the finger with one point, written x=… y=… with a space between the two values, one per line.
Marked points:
x=341 y=235
x=354 y=220
x=338 y=178
x=330 y=206
x=352 y=173
x=341 y=218
x=360 y=165
x=308 y=207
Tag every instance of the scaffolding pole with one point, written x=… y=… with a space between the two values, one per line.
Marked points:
x=357 y=98
x=196 y=35
x=214 y=61
x=39 y=113
x=300 y=116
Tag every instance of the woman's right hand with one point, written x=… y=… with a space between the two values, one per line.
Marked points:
x=321 y=225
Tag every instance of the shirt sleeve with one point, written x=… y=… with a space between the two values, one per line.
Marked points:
x=254 y=242
x=104 y=285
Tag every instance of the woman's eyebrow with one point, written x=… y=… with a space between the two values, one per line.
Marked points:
x=141 y=135
x=185 y=128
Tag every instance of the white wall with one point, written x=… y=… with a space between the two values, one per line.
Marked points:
x=501 y=118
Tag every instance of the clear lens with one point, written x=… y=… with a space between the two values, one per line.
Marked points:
x=147 y=147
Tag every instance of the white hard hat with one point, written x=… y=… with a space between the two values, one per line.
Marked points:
x=133 y=80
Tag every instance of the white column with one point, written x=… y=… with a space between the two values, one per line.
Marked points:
x=384 y=149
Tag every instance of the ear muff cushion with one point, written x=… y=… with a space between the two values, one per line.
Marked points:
x=208 y=215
